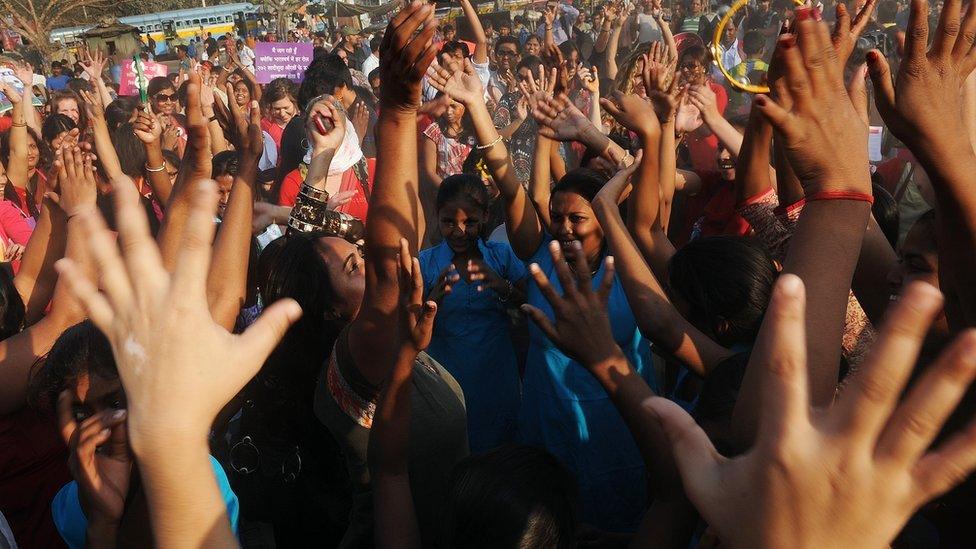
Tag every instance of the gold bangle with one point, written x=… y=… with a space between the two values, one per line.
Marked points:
x=16 y=125
x=489 y=145
x=154 y=170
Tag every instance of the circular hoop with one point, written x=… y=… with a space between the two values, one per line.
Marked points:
x=716 y=48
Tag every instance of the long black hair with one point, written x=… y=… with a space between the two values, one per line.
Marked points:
x=291 y=267
x=513 y=496
x=724 y=278
x=79 y=351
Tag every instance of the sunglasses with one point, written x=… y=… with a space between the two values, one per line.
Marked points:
x=163 y=97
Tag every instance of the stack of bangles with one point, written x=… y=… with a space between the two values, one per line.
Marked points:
x=18 y=125
x=308 y=215
x=311 y=214
x=154 y=170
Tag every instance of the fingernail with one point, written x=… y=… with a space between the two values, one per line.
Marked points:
x=119 y=414
x=534 y=268
x=790 y=285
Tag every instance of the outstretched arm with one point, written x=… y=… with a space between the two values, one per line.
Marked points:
x=17 y=171
x=582 y=330
x=107 y=156
x=833 y=167
x=19 y=353
x=227 y=280
x=197 y=165
x=394 y=207
x=389 y=438
x=523 y=225
x=923 y=108
x=149 y=130
x=480 y=54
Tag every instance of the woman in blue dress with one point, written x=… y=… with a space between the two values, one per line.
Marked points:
x=474 y=283
x=564 y=409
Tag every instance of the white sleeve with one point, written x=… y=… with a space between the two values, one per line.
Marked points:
x=483 y=72
x=269 y=157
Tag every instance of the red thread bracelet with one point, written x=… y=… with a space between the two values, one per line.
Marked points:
x=841 y=195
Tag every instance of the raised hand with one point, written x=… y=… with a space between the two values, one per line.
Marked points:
x=486 y=278
x=99 y=460
x=147 y=128
x=170 y=137
x=536 y=90
x=549 y=15
x=445 y=282
x=862 y=466
x=405 y=55
x=463 y=86
x=25 y=73
x=581 y=328
x=416 y=315
x=178 y=367
x=94 y=106
x=825 y=150
x=634 y=113
x=11 y=93
x=846 y=32
x=94 y=64
x=359 y=115
x=13 y=252
x=613 y=192
x=522 y=108
x=326 y=124
x=591 y=79
x=560 y=119
x=247 y=129
x=658 y=72
x=702 y=97
x=77 y=192
x=923 y=107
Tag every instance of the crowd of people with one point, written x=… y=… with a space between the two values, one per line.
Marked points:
x=541 y=285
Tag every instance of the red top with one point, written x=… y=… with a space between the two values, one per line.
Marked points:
x=13 y=226
x=710 y=212
x=357 y=207
x=274 y=130
x=703 y=150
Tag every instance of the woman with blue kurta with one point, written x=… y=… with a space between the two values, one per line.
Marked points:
x=474 y=283
x=564 y=409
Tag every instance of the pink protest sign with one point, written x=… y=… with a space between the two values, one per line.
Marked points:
x=128 y=84
x=281 y=60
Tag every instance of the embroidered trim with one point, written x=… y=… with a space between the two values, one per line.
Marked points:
x=356 y=407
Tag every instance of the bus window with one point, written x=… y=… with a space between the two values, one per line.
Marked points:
x=196 y=22
x=210 y=20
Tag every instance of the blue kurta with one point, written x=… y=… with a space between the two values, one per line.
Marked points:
x=472 y=341
x=566 y=411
